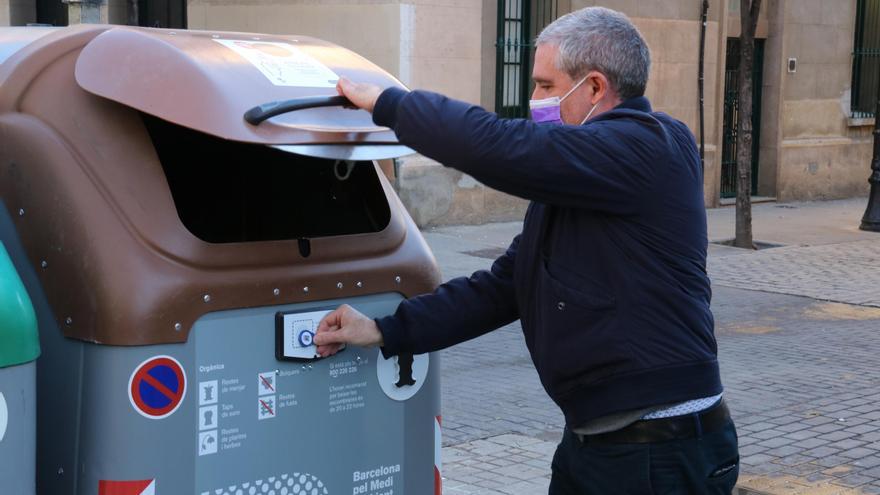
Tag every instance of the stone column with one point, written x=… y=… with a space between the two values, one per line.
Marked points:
x=17 y=12
x=86 y=11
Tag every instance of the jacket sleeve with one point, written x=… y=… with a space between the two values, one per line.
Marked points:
x=459 y=310
x=602 y=165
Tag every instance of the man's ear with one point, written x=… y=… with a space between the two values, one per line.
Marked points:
x=598 y=83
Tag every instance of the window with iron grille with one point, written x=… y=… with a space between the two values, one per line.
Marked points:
x=866 y=58
x=519 y=23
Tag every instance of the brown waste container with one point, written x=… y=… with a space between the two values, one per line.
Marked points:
x=179 y=256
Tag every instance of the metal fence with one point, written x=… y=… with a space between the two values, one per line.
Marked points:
x=731 y=116
x=866 y=58
x=519 y=22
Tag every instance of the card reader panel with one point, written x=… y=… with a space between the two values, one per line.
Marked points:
x=295 y=335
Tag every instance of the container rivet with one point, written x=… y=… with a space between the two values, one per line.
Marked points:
x=206 y=298
x=306 y=289
x=68 y=320
x=21 y=212
x=178 y=327
x=339 y=285
x=44 y=264
x=60 y=471
x=360 y=284
x=276 y=292
x=397 y=279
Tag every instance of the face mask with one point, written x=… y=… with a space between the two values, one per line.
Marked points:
x=547 y=110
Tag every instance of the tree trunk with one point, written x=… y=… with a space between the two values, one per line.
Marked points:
x=749 y=10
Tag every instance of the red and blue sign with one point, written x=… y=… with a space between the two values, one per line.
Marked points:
x=157 y=387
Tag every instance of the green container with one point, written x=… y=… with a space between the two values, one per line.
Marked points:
x=19 y=341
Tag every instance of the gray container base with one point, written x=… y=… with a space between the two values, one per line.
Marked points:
x=18 y=428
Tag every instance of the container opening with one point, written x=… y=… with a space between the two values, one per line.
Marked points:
x=229 y=191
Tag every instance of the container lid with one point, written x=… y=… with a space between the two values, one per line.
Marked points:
x=208 y=82
x=19 y=341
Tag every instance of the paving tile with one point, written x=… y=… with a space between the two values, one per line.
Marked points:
x=799 y=371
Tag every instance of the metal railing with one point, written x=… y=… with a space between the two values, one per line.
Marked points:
x=866 y=58
x=730 y=129
x=519 y=22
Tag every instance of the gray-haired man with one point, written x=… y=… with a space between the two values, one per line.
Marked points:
x=608 y=276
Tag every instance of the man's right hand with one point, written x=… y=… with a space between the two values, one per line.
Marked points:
x=346 y=325
x=361 y=95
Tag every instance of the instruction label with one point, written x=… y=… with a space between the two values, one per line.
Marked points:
x=343 y=368
x=283 y=64
x=348 y=397
x=232 y=438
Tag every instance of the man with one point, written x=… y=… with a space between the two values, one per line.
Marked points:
x=608 y=276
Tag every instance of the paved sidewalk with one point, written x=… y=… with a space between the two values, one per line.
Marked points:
x=796 y=329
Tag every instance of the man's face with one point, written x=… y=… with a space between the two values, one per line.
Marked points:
x=550 y=81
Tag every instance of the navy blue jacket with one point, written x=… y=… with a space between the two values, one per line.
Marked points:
x=608 y=276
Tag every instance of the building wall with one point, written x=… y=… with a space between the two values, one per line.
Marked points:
x=425 y=43
x=672 y=30
x=17 y=12
x=822 y=155
x=809 y=148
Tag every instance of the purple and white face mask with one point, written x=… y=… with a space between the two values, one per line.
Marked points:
x=547 y=110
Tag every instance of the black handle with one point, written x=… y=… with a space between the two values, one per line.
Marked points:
x=258 y=114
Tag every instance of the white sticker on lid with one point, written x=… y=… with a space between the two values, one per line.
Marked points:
x=283 y=64
x=4 y=416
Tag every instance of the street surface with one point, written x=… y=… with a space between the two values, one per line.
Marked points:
x=797 y=328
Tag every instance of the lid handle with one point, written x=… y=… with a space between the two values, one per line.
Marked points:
x=263 y=112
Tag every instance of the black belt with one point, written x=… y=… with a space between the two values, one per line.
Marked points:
x=665 y=429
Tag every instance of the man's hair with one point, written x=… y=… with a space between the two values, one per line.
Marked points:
x=596 y=38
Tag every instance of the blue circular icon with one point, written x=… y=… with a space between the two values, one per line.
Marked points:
x=305 y=338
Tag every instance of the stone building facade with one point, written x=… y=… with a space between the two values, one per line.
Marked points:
x=812 y=144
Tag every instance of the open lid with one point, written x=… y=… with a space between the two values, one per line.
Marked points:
x=208 y=82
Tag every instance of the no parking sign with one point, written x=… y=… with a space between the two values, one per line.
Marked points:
x=157 y=387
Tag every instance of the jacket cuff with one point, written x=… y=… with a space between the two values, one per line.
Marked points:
x=385 y=110
x=392 y=336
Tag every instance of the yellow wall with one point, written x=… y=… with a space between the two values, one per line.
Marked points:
x=429 y=45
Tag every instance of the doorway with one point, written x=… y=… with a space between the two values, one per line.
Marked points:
x=731 y=115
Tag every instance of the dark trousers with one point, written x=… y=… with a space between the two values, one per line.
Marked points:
x=705 y=464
